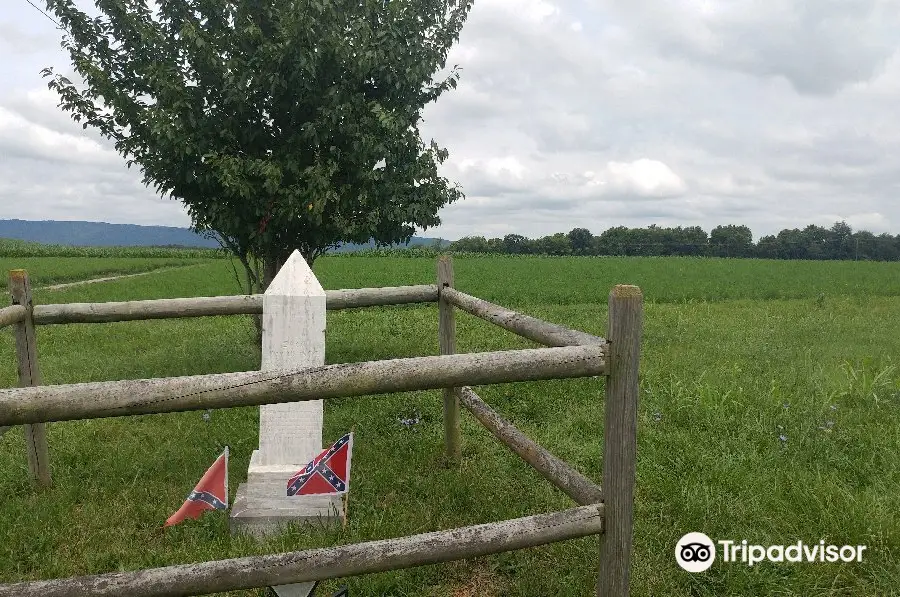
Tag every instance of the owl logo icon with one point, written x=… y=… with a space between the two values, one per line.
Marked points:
x=695 y=552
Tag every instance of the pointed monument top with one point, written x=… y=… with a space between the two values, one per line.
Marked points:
x=295 y=278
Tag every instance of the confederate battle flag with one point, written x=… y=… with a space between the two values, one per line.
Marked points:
x=211 y=493
x=329 y=472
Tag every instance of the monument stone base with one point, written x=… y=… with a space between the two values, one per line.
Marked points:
x=262 y=507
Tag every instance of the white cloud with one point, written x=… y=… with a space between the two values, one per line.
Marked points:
x=530 y=11
x=819 y=47
x=644 y=178
x=873 y=222
x=24 y=139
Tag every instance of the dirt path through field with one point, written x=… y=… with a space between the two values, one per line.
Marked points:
x=119 y=277
x=3 y=430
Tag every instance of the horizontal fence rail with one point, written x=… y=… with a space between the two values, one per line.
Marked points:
x=206 y=306
x=227 y=390
x=376 y=297
x=560 y=473
x=12 y=314
x=321 y=564
x=538 y=330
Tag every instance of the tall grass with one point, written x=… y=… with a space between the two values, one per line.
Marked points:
x=578 y=280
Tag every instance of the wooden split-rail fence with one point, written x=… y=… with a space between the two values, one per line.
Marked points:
x=605 y=510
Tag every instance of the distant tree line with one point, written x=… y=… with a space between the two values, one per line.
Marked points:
x=812 y=242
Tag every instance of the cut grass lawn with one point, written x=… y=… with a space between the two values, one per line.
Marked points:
x=769 y=412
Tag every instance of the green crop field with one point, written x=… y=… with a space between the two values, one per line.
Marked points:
x=769 y=411
x=15 y=248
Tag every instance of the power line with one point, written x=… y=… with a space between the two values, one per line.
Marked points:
x=40 y=10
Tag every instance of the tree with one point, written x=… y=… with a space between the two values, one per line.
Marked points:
x=864 y=245
x=581 y=240
x=280 y=124
x=767 y=247
x=514 y=244
x=613 y=241
x=495 y=245
x=885 y=247
x=470 y=244
x=694 y=241
x=840 y=241
x=645 y=242
x=816 y=243
x=792 y=244
x=731 y=241
x=669 y=241
x=557 y=244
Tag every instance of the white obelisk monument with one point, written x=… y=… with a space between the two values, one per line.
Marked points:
x=290 y=434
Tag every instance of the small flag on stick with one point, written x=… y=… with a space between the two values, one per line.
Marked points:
x=327 y=473
x=211 y=493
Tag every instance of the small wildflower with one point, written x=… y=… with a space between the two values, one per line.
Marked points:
x=657 y=416
x=206 y=415
x=782 y=438
x=833 y=407
x=411 y=421
x=786 y=405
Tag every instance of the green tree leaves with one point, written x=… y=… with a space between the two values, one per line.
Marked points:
x=269 y=119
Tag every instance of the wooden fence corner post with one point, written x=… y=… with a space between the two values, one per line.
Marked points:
x=620 y=440
x=29 y=375
x=447 y=342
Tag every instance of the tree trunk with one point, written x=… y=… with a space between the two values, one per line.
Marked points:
x=270 y=270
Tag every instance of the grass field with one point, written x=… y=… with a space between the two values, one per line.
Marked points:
x=45 y=271
x=770 y=411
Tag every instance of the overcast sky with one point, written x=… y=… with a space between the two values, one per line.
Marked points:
x=587 y=113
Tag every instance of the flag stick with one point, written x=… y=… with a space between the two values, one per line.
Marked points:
x=345 y=499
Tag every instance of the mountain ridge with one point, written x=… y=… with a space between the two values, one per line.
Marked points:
x=103 y=234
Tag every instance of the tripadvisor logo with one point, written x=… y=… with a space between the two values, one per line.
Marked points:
x=696 y=552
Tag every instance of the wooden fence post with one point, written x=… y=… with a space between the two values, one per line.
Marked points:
x=447 y=341
x=29 y=375
x=620 y=440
